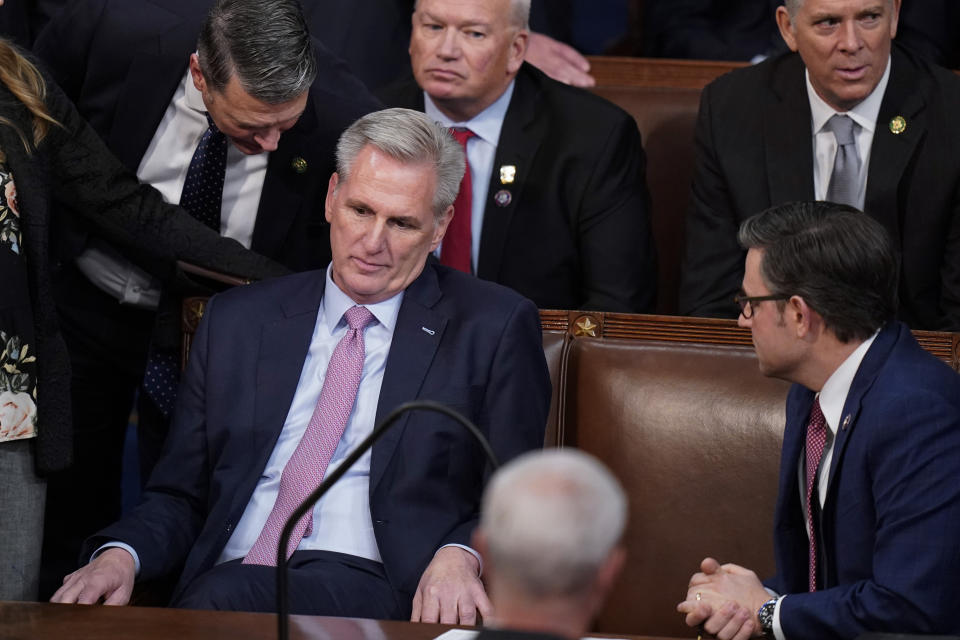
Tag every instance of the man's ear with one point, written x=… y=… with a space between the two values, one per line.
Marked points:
x=518 y=51
x=607 y=576
x=331 y=190
x=894 y=18
x=478 y=542
x=199 y=82
x=808 y=323
x=441 y=228
x=785 y=24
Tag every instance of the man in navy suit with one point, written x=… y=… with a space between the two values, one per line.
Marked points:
x=145 y=74
x=390 y=540
x=868 y=512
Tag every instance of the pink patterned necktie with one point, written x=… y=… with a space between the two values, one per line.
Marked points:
x=816 y=440
x=309 y=461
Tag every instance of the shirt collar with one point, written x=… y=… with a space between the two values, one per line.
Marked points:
x=864 y=114
x=335 y=303
x=486 y=124
x=834 y=393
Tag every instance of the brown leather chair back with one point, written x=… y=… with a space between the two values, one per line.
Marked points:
x=666 y=118
x=693 y=431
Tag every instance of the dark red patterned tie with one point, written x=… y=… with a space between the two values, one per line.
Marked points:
x=816 y=439
x=458 y=241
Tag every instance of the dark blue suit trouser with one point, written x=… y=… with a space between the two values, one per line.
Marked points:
x=319 y=583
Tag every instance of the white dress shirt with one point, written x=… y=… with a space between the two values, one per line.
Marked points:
x=832 y=398
x=481 y=152
x=164 y=166
x=825 y=143
x=341 y=520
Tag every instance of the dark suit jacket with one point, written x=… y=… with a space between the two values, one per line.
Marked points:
x=754 y=149
x=371 y=36
x=576 y=233
x=468 y=344
x=121 y=61
x=72 y=165
x=710 y=29
x=21 y=20
x=930 y=28
x=891 y=519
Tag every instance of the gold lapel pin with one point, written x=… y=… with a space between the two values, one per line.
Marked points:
x=508 y=173
x=846 y=422
x=898 y=125
x=299 y=165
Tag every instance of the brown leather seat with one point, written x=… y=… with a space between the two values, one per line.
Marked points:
x=693 y=431
x=666 y=118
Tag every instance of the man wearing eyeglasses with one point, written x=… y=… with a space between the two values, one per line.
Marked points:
x=868 y=515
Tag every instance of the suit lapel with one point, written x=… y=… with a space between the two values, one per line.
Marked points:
x=786 y=131
x=283 y=348
x=282 y=196
x=415 y=340
x=520 y=138
x=154 y=75
x=872 y=362
x=891 y=153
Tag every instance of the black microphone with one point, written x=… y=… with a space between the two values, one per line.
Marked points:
x=283 y=606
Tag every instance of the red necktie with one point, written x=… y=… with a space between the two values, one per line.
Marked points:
x=458 y=242
x=816 y=440
x=309 y=461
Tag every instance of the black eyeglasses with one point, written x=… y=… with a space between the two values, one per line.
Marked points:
x=746 y=302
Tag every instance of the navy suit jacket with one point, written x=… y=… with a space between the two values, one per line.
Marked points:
x=121 y=61
x=754 y=149
x=468 y=344
x=576 y=231
x=890 y=524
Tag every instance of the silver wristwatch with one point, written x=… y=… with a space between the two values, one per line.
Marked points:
x=765 y=615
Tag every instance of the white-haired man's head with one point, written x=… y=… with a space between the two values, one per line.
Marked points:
x=550 y=530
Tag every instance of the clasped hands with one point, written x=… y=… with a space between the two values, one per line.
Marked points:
x=724 y=599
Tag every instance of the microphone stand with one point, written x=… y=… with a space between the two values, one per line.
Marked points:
x=283 y=605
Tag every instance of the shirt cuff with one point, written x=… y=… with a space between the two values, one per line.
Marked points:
x=777 y=629
x=459 y=546
x=119 y=545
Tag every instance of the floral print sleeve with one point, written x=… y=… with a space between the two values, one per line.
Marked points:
x=9 y=212
x=18 y=362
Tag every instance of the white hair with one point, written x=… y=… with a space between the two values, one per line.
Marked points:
x=519 y=13
x=551 y=519
x=794 y=5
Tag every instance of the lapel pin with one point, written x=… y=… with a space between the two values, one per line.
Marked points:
x=299 y=165
x=502 y=198
x=898 y=125
x=846 y=422
x=428 y=331
x=508 y=173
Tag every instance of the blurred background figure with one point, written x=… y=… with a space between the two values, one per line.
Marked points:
x=550 y=535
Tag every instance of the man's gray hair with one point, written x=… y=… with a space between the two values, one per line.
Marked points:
x=794 y=5
x=411 y=137
x=519 y=13
x=265 y=43
x=551 y=519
